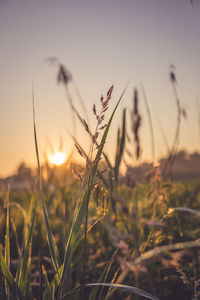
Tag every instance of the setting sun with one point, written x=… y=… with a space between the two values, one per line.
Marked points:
x=58 y=158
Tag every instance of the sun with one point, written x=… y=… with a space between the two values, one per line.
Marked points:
x=58 y=158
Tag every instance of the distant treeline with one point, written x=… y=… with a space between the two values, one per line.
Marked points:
x=183 y=166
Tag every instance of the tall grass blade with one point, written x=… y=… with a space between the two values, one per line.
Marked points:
x=14 y=230
x=27 y=222
x=48 y=294
x=54 y=284
x=7 y=244
x=120 y=151
x=7 y=248
x=14 y=289
x=25 y=237
x=44 y=210
x=150 y=125
x=25 y=263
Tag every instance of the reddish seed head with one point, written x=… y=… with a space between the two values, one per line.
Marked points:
x=129 y=153
x=100 y=145
x=99 y=121
x=135 y=102
x=79 y=150
x=95 y=136
x=98 y=159
x=86 y=125
x=105 y=103
x=64 y=75
x=103 y=126
x=172 y=77
x=77 y=174
x=109 y=93
x=105 y=109
x=94 y=109
x=101 y=172
x=137 y=151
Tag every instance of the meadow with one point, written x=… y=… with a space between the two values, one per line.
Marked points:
x=89 y=232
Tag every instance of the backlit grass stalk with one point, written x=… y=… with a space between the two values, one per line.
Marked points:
x=84 y=204
x=120 y=146
x=150 y=125
x=99 y=127
x=7 y=245
x=175 y=144
x=45 y=214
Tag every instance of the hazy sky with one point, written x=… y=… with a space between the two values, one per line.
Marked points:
x=102 y=43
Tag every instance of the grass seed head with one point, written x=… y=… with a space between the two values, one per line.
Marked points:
x=79 y=150
x=64 y=75
x=94 y=109
x=86 y=126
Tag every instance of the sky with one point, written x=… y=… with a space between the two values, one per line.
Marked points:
x=102 y=43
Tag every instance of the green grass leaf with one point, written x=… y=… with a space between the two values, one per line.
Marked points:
x=14 y=289
x=121 y=287
x=7 y=243
x=120 y=145
x=44 y=210
x=25 y=261
x=49 y=292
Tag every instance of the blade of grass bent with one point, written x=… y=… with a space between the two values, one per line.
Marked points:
x=124 y=288
x=44 y=210
x=82 y=210
x=185 y=209
x=157 y=251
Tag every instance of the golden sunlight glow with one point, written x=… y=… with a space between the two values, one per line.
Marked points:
x=58 y=158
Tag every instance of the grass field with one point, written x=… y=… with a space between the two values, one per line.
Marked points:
x=95 y=234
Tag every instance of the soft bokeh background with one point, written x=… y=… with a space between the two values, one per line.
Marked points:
x=102 y=43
